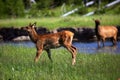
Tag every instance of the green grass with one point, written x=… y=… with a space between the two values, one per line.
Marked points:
x=55 y=22
x=16 y=63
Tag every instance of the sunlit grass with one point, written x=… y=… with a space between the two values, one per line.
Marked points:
x=16 y=63
x=55 y=22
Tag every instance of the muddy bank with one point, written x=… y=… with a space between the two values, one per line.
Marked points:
x=17 y=34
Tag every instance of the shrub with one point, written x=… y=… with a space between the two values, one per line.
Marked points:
x=12 y=8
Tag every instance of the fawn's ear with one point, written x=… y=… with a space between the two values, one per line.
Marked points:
x=34 y=24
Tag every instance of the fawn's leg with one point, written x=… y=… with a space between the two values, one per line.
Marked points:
x=39 y=51
x=49 y=53
x=73 y=47
x=38 y=54
x=72 y=51
x=68 y=45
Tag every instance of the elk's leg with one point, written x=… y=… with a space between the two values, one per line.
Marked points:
x=103 y=41
x=114 y=40
x=49 y=53
x=98 y=42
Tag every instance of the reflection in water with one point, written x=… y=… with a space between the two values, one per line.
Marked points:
x=110 y=49
x=93 y=48
x=89 y=48
x=23 y=43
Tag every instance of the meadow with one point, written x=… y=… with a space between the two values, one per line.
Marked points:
x=17 y=63
x=55 y=22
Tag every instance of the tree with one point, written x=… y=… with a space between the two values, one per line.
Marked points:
x=2 y=9
x=12 y=8
x=42 y=4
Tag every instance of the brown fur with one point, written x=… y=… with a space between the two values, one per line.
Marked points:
x=103 y=32
x=53 y=40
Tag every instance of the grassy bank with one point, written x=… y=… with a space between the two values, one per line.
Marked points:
x=54 y=22
x=16 y=63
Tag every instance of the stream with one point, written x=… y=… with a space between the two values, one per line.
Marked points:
x=86 y=47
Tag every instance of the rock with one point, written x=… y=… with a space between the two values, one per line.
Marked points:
x=21 y=38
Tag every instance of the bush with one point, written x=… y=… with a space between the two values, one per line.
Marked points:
x=12 y=8
x=1 y=9
x=82 y=11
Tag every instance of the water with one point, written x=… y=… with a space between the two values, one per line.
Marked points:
x=89 y=48
x=93 y=48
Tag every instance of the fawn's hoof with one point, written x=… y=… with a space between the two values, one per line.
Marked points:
x=35 y=60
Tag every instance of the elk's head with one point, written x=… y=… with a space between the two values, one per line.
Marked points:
x=30 y=27
x=97 y=22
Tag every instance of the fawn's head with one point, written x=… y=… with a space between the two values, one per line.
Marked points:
x=30 y=27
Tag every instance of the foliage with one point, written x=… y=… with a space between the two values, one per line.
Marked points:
x=42 y=4
x=12 y=8
x=46 y=8
x=2 y=9
x=82 y=11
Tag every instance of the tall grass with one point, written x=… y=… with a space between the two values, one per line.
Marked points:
x=16 y=63
x=55 y=22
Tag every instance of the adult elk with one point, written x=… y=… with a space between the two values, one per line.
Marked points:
x=103 y=32
x=52 y=40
